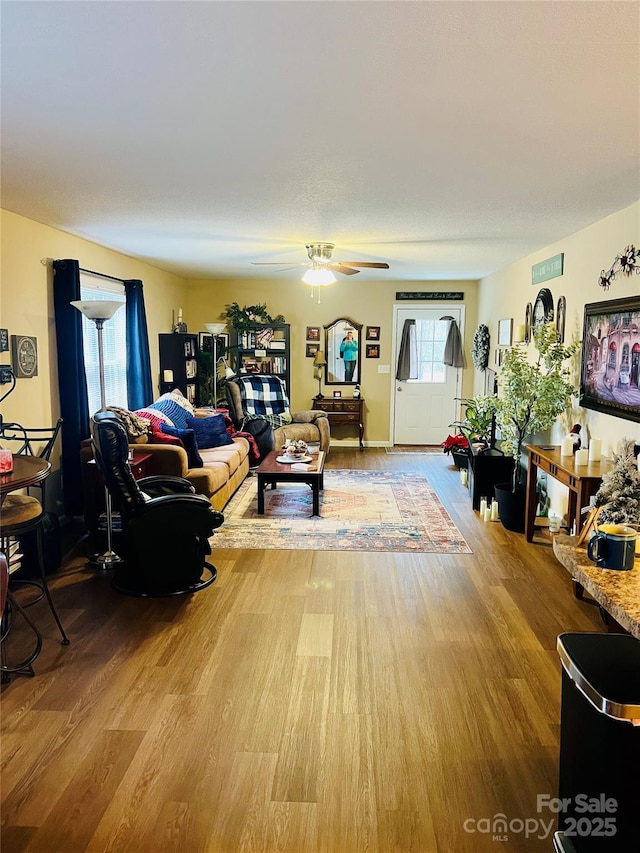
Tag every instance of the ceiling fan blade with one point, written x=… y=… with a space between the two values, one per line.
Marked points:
x=342 y=269
x=373 y=266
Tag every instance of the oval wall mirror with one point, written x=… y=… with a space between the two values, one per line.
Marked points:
x=342 y=351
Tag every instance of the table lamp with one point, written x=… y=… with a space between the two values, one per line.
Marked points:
x=318 y=363
x=99 y=311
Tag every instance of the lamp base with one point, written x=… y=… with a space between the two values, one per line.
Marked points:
x=105 y=562
x=319 y=396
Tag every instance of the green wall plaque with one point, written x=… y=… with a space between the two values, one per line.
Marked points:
x=551 y=268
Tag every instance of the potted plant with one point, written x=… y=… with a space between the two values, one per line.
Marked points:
x=474 y=428
x=530 y=398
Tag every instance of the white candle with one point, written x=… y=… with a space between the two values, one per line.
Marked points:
x=582 y=456
x=167 y=375
x=463 y=476
x=483 y=506
x=487 y=514
x=566 y=447
x=494 y=511
x=595 y=450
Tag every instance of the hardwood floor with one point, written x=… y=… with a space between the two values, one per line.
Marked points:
x=307 y=701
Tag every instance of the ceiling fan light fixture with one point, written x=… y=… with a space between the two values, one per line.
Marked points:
x=319 y=277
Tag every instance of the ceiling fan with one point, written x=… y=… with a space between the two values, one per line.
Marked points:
x=320 y=260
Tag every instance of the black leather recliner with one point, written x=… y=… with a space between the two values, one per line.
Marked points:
x=165 y=525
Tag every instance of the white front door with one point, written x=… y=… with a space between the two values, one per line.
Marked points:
x=424 y=407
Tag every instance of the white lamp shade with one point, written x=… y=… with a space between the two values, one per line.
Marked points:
x=319 y=277
x=97 y=309
x=215 y=328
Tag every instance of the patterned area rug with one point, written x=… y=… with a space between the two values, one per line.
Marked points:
x=414 y=448
x=361 y=511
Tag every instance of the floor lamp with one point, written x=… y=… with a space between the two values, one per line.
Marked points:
x=99 y=311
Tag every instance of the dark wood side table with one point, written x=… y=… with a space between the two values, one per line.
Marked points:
x=583 y=481
x=139 y=464
x=343 y=410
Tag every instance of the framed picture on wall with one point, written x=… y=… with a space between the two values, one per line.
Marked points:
x=561 y=318
x=205 y=341
x=312 y=349
x=373 y=351
x=313 y=333
x=4 y=340
x=505 y=332
x=24 y=354
x=373 y=333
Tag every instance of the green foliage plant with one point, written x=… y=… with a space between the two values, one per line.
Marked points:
x=478 y=417
x=242 y=319
x=532 y=394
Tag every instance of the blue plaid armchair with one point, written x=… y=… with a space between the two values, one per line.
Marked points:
x=256 y=395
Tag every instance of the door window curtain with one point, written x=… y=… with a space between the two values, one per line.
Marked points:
x=139 y=386
x=72 y=383
x=453 y=352
x=407 y=367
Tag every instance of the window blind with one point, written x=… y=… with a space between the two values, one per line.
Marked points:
x=114 y=345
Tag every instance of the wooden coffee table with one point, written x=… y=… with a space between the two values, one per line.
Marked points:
x=271 y=473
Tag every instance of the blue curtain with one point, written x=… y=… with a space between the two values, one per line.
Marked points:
x=72 y=383
x=139 y=387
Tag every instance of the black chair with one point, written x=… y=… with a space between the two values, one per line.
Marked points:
x=165 y=525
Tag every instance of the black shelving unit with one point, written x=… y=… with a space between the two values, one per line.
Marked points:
x=179 y=364
x=263 y=348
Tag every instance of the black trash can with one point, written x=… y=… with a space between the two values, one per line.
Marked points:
x=599 y=779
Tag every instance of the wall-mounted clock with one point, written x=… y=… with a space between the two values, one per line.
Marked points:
x=24 y=354
x=542 y=308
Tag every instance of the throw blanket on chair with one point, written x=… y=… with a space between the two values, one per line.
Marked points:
x=265 y=397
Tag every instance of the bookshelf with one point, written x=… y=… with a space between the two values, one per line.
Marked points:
x=263 y=348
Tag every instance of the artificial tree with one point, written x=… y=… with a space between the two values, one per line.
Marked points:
x=619 y=493
x=532 y=394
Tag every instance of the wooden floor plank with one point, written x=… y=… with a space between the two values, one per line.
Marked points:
x=307 y=701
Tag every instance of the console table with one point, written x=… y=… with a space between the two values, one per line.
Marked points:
x=341 y=410
x=583 y=481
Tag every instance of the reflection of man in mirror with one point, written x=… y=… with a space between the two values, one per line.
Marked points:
x=349 y=352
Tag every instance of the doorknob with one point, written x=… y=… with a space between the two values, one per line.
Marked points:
x=399 y=388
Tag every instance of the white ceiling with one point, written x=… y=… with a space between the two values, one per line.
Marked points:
x=447 y=138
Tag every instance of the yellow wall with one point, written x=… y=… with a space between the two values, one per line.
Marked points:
x=364 y=300
x=26 y=308
x=506 y=293
x=586 y=253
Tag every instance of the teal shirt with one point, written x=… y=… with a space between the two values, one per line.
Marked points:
x=349 y=350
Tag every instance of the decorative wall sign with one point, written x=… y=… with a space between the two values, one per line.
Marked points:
x=4 y=340
x=545 y=270
x=24 y=353
x=439 y=295
x=625 y=263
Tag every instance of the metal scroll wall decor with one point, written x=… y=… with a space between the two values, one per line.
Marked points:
x=624 y=263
